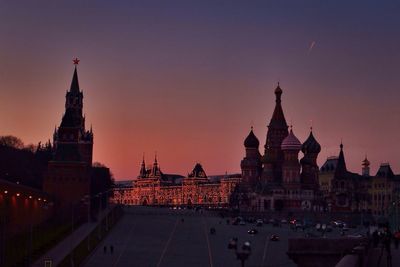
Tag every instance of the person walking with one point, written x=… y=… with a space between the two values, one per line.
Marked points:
x=397 y=239
x=105 y=249
x=111 y=249
x=387 y=241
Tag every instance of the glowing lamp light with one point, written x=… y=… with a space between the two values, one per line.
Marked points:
x=18 y=194
x=30 y=196
x=44 y=200
x=5 y=192
x=39 y=199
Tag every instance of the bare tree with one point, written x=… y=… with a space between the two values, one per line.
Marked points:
x=11 y=141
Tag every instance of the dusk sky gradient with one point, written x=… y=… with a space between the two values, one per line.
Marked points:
x=188 y=78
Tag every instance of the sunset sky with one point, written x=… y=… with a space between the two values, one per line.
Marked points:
x=188 y=78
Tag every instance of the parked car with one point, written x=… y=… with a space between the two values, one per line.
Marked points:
x=276 y=223
x=259 y=222
x=337 y=223
x=252 y=231
x=242 y=223
x=318 y=227
x=232 y=243
x=251 y=220
x=246 y=246
x=274 y=238
x=283 y=221
x=323 y=227
x=329 y=228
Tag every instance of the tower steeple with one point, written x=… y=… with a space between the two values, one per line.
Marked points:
x=142 y=173
x=341 y=165
x=74 y=83
x=277 y=131
x=365 y=166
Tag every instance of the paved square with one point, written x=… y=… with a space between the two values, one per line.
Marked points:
x=157 y=237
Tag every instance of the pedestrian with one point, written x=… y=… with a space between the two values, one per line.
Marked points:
x=375 y=238
x=105 y=249
x=387 y=240
x=397 y=239
x=112 y=249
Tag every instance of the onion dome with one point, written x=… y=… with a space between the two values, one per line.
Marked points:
x=311 y=145
x=251 y=140
x=291 y=142
x=278 y=90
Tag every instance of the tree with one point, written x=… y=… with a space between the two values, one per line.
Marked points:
x=11 y=141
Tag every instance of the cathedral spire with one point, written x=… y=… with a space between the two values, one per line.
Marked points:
x=278 y=118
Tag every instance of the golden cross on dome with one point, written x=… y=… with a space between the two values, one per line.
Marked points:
x=76 y=61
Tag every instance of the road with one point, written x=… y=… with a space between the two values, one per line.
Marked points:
x=162 y=237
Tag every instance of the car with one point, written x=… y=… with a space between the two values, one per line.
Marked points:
x=259 y=222
x=252 y=231
x=271 y=221
x=318 y=227
x=274 y=238
x=232 y=243
x=251 y=219
x=242 y=223
x=351 y=225
x=329 y=228
x=345 y=228
x=299 y=226
x=283 y=221
x=237 y=220
x=310 y=234
x=246 y=246
x=323 y=227
x=356 y=235
x=337 y=223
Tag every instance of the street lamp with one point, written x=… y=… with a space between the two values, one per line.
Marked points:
x=244 y=253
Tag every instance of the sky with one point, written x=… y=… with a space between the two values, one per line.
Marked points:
x=187 y=79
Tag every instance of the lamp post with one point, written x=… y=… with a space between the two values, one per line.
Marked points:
x=242 y=254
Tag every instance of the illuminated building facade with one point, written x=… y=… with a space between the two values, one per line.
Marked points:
x=152 y=187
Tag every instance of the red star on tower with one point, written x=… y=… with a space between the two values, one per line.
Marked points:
x=76 y=61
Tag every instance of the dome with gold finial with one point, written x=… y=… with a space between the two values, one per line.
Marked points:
x=251 y=140
x=291 y=142
x=311 y=145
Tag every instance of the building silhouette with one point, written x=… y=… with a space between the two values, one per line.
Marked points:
x=277 y=180
x=69 y=172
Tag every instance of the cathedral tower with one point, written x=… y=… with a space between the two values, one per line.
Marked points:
x=291 y=167
x=310 y=170
x=277 y=131
x=251 y=163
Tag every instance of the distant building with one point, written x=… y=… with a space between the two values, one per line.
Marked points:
x=153 y=187
x=349 y=191
x=326 y=175
x=384 y=190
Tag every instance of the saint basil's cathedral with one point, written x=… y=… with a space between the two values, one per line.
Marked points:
x=277 y=180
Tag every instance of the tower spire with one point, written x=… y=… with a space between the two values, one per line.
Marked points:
x=75 y=84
